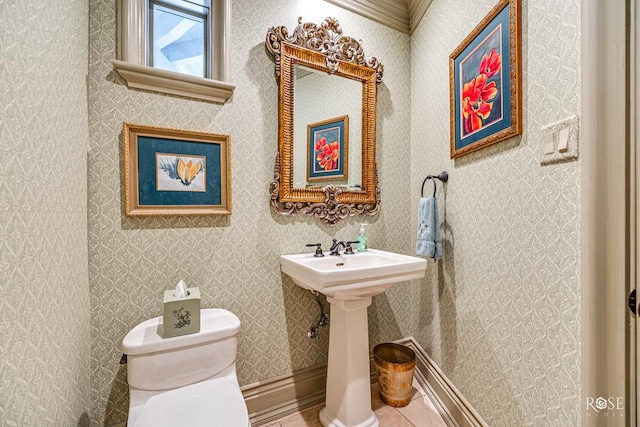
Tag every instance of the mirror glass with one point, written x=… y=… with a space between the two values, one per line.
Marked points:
x=326 y=160
x=322 y=102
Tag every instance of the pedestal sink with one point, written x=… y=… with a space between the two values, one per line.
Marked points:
x=349 y=282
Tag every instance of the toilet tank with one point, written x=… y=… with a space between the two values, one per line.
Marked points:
x=155 y=363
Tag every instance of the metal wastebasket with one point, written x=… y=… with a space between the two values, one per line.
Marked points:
x=394 y=366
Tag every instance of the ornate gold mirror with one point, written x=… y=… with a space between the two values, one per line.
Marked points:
x=326 y=161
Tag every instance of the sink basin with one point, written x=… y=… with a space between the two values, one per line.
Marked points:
x=351 y=277
x=349 y=282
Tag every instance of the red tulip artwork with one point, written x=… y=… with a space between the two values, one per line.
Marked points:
x=328 y=149
x=478 y=93
x=485 y=82
x=328 y=154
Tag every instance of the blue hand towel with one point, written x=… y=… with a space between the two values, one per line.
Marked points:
x=428 y=244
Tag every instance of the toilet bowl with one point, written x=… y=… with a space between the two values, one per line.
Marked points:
x=188 y=380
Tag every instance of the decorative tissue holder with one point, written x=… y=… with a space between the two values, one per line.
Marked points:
x=181 y=315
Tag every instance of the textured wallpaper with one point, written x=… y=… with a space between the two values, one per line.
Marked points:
x=44 y=308
x=501 y=313
x=234 y=260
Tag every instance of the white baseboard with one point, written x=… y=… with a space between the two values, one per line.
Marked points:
x=275 y=398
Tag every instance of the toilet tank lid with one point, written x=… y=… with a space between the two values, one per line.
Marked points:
x=215 y=324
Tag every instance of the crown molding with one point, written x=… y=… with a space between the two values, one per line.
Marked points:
x=401 y=15
x=391 y=13
x=417 y=9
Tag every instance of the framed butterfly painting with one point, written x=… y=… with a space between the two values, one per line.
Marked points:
x=175 y=172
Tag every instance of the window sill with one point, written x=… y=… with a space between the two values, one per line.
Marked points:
x=154 y=79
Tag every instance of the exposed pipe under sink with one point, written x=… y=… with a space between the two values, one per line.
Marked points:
x=314 y=331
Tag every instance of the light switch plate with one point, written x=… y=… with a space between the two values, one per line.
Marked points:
x=569 y=127
x=563 y=140
x=549 y=143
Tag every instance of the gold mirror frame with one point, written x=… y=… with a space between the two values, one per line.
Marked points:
x=323 y=47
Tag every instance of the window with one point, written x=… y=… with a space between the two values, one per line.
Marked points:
x=176 y=46
x=178 y=36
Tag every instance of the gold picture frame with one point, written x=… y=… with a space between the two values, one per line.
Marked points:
x=326 y=49
x=175 y=172
x=328 y=160
x=485 y=74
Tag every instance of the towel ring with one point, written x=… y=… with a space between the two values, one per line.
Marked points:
x=444 y=177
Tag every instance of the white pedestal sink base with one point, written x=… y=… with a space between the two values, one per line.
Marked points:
x=328 y=420
x=349 y=282
x=348 y=402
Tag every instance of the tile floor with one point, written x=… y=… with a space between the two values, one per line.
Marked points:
x=420 y=412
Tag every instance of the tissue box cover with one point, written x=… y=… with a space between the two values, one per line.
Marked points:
x=181 y=315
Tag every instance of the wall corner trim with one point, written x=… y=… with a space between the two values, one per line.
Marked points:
x=417 y=9
x=607 y=337
x=452 y=406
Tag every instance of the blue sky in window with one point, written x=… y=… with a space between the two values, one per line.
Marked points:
x=178 y=43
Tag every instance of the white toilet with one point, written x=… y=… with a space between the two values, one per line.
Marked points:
x=188 y=380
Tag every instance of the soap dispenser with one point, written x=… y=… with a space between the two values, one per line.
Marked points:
x=363 y=244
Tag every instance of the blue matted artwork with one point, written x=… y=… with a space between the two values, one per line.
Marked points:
x=175 y=172
x=158 y=162
x=328 y=149
x=485 y=82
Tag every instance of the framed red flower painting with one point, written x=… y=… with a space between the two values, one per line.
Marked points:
x=328 y=149
x=485 y=82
